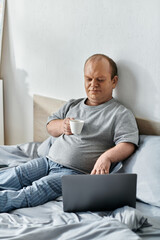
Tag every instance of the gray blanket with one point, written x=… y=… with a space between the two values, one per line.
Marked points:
x=50 y=222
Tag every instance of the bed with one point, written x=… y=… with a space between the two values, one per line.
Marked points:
x=49 y=221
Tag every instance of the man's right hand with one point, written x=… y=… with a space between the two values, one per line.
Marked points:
x=58 y=127
x=66 y=126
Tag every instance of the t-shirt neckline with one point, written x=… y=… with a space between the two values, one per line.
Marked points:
x=98 y=106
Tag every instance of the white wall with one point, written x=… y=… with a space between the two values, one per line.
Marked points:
x=1 y=114
x=46 y=43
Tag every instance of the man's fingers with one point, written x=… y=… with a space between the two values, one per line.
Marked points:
x=103 y=171
x=66 y=126
x=67 y=133
x=99 y=171
x=93 y=172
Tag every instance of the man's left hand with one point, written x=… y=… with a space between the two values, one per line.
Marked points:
x=115 y=154
x=101 y=166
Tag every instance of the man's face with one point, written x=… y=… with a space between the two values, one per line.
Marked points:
x=98 y=82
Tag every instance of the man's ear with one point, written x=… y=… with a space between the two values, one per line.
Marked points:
x=114 y=81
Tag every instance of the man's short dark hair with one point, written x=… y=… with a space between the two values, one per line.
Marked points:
x=98 y=56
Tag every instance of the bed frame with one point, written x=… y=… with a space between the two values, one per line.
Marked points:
x=45 y=106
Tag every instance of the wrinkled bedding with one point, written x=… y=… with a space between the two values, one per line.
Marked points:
x=48 y=221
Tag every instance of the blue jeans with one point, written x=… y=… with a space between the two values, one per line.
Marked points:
x=31 y=184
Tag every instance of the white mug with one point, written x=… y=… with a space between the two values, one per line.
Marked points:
x=76 y=126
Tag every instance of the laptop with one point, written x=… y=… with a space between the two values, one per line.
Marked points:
x=85 y=192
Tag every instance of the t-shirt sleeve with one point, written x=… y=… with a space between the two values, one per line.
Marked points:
x=62 y=112
x=126 y=129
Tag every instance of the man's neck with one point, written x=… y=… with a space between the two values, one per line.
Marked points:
x=95 y=103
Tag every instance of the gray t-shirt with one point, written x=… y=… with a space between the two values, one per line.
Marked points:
x=105 y=126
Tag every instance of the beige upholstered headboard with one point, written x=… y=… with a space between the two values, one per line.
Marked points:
x=44 y=107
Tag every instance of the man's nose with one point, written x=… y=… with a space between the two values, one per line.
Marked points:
x=94 y=82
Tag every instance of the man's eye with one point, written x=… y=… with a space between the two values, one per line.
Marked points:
x=100 y=80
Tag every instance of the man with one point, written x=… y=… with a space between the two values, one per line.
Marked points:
x=109 y=135
x=108 y=125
